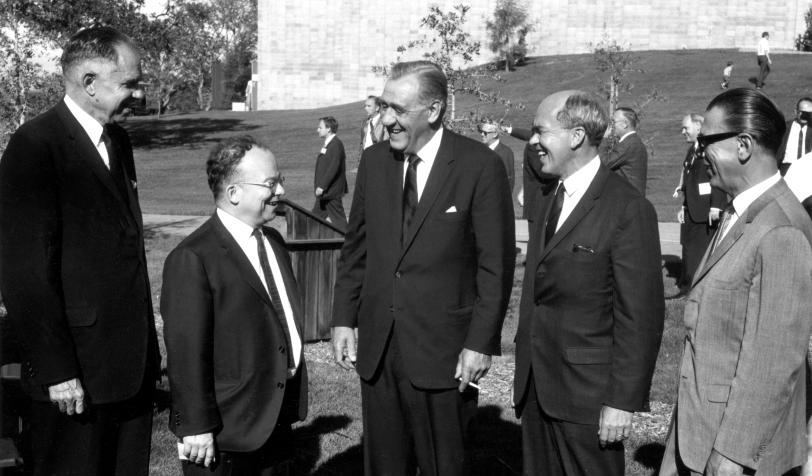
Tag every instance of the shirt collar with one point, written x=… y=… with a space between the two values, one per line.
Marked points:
x=746 y=198
x=240 y=230
x=328 y=139
x=582 y=177
x=374 y=119
x=626 y=135
x=493 y=145
x=91 y=126
x=428 y=152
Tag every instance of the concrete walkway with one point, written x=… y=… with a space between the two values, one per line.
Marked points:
x=185 y=224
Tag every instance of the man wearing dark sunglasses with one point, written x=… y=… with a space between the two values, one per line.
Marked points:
x=741 y=400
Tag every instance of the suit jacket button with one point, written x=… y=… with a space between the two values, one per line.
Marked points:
x=280 y=385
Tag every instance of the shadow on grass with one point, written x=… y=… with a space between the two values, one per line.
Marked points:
x=673 y=266
x=180 y=130
x=650 y=455
x=308 y=448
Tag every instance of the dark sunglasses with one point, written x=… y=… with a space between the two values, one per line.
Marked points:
x=702 y=142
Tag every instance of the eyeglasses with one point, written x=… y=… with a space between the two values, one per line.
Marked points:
x=484 y=133
x=703 y=141
x=270 y=185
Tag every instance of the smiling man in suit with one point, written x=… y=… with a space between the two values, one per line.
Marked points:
x=740 y=407
x=74 y=273
x=425 y=276
x=231 y=312
x=591 y=312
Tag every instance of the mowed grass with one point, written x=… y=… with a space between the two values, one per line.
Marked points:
x=171 y=151
x=171 y=154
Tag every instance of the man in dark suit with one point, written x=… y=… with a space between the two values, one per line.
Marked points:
x=231 y=312
x=372 y=130
x=628 y=156
x=489 y=132
x=330 y=183
x=425 y=276
x=701 y=205
x=591 y=312
x=533 y=179
x=74 y=273
x=797 y=140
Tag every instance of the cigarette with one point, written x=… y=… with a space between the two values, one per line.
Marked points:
x=472 y=384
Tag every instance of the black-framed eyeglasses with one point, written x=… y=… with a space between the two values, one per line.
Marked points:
x=270 y=185
x=702 y=142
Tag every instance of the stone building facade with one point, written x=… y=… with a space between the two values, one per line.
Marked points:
x=314 y=53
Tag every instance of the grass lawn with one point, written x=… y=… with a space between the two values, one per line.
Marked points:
x=171 y=151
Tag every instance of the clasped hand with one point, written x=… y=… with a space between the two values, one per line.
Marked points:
x=69 y=395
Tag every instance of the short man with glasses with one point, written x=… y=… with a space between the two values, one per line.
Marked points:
x=740 y=407
x=424 y=276
x=591 y=312
x=232 y=325
x=489 y=134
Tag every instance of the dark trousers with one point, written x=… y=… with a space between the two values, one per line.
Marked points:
x=273 y=458
x=105 y=440
x=695 y=238
x=406 y=428
x=553 y=447
x=332 y=208
x=763 y=70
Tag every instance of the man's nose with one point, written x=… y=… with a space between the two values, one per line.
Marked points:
x=388 y=117
x=534 y=139
x=279 y=190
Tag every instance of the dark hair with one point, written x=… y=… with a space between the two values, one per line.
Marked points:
x=93 y=43
x=433 y=82
x=766 y=33
x=330 y=122
x=224 y=159
x=751 y=112
x=629 y=114
x=376 y=98
x=730 y=63
x=584 y=110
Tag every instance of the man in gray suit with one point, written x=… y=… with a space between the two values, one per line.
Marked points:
x=740 y=408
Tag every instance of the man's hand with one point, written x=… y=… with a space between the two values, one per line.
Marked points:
x=69 y=396
x=681 y=215
x=713 y=215
x=506 y=128
x=199 y=449
x=319 y=191
x=615 y=425
x=718 y=465
x=520 y=197
x=344 y=339
x=471 y=366
x=677 y=191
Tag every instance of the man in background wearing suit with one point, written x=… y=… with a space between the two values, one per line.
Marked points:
x=628 y=157
x=740 y=407
x=701 y=205
x=372 y=130
x=489 y=133
x=425 y=276
x=74 y=274
x=591 y=312
x=798 y=138
x=231 y=312
x=330 y=182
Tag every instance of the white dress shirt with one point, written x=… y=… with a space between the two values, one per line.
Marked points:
x=370 y=126
x=493 y=145
x=427 y=155
x=763 y=47
x=746 y=198
x=797 y=177
x=575 y=187
x=626 y=135
x=243 y=234
x=328 y=139
x=92 y=128
x=791 y=153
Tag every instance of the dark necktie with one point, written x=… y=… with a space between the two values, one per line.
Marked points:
x=717 y=238
x=409 y=195
x=116 y=171
x=276 y=301
x=801 y=144
x=555 y=213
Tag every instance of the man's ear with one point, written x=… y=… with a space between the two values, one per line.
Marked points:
x=88 y=83
x=577 y=138
x=233 y=194
x=435 y=109
x=744 y=147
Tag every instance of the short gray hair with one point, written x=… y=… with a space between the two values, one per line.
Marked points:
x=432 y=79
x=584 y=110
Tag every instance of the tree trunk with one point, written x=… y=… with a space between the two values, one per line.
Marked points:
x=453 y=102
x=200 y=99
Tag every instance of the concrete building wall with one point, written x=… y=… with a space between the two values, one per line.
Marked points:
x=314 y=53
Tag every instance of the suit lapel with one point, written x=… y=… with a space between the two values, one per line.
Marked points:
x=287 y=279
x=437 y=180
x=578 y=213
x=235 y=254
x=394 y=186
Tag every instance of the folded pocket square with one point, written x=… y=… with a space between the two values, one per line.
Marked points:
x=576 y=248
x=452 y=209
x=323 y=150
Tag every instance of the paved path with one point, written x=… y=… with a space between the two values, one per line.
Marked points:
x=185 y=224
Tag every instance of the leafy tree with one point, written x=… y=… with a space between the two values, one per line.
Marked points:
x=617 y=61
x=508 y=29
x=804 y=41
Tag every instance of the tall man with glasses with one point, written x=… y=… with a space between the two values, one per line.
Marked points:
x=740 y=407
x=489 y=134
x=330 y=182
x=591 y=312
x=232 y=315
x=424 y=276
